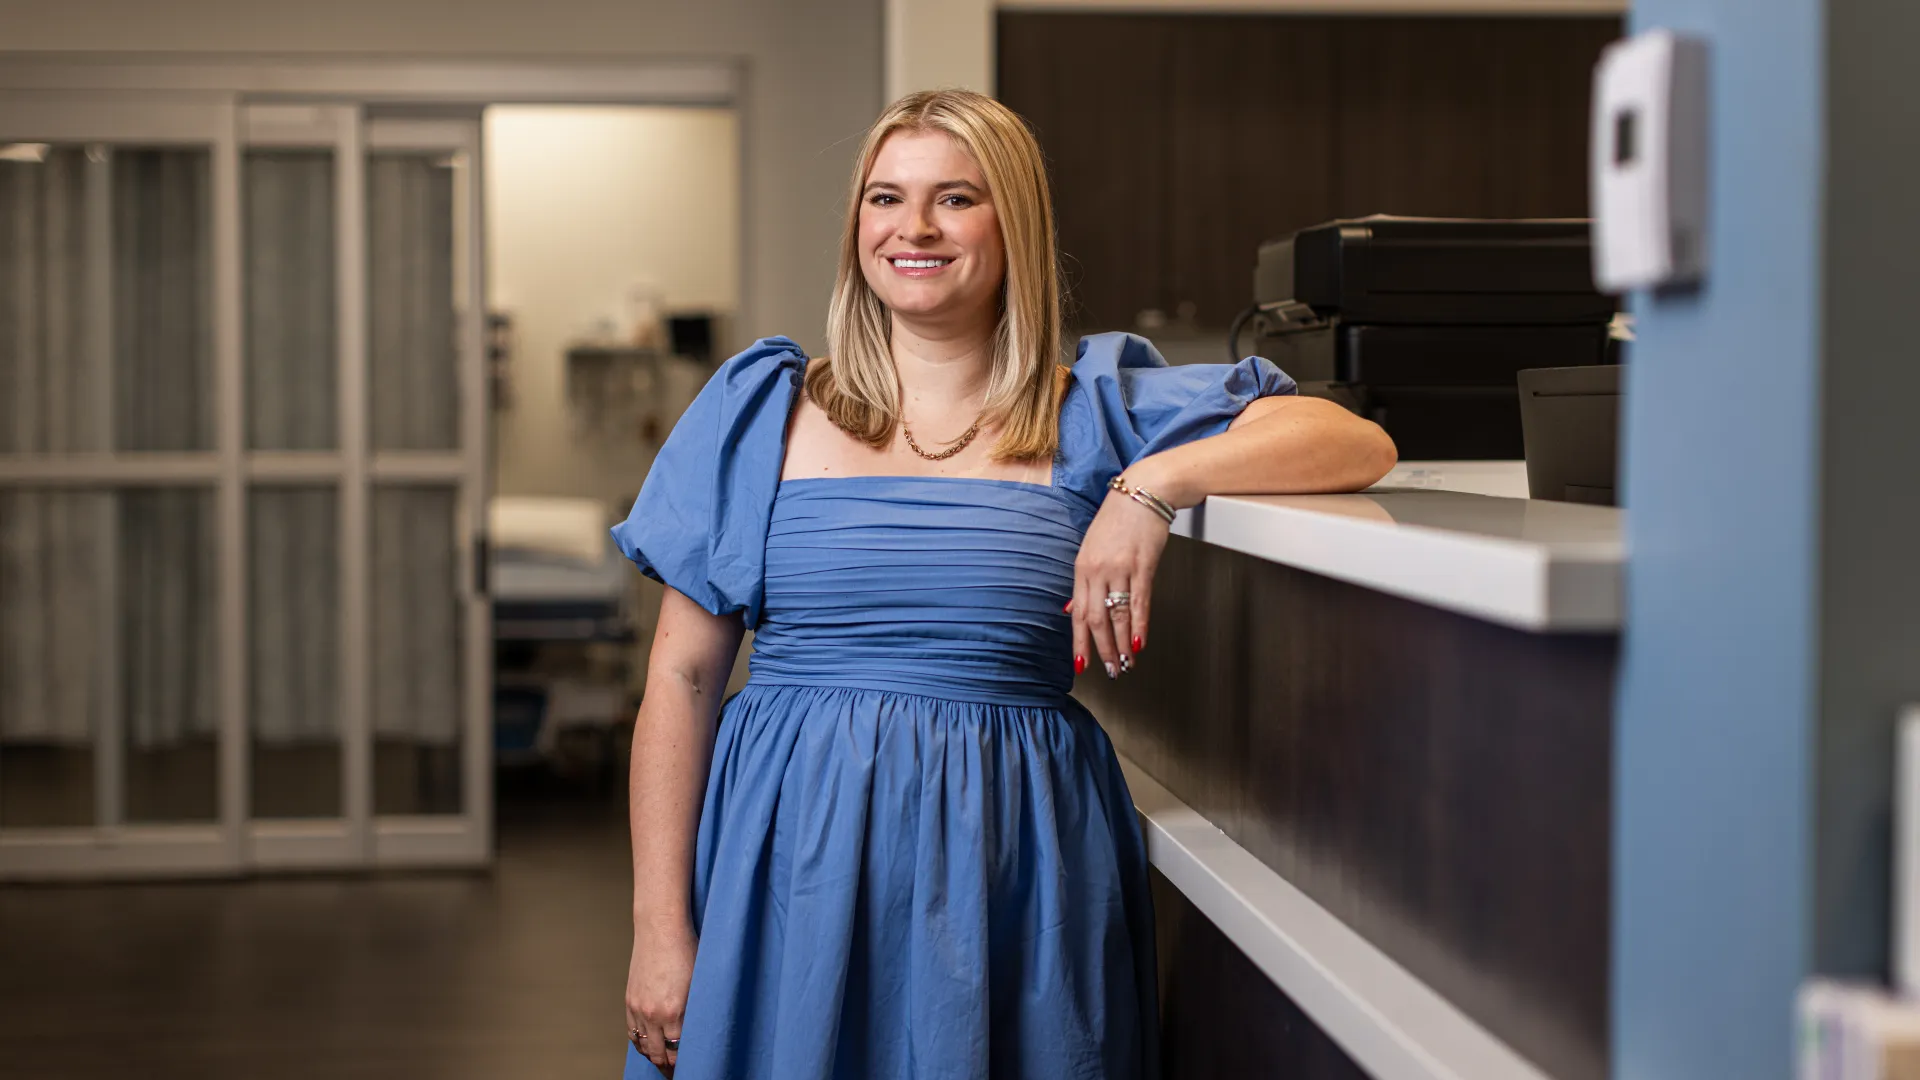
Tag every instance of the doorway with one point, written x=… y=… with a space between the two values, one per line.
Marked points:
x=612 y=270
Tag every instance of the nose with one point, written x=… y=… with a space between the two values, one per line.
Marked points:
x=918 y=224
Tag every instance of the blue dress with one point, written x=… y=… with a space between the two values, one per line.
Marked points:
x=917 y=859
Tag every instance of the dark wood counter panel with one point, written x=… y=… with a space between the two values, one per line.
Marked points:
x=1439 y=783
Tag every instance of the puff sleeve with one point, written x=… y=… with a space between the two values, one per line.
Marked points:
x=1140 y=405
x=700 y=522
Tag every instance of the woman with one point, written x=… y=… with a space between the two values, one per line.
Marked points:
x=915 y=856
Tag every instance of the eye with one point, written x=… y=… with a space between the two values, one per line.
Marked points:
x=881 y=198
x=957 y=201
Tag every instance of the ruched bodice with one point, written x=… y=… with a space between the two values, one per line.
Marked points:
x=946 y=587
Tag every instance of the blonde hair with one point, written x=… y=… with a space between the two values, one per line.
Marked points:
x=858 y=386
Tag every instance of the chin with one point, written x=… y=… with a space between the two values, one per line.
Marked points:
x=919 y=305
x=922 y=302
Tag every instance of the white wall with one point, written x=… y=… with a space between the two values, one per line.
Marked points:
x=935 y=44
x=582 y=202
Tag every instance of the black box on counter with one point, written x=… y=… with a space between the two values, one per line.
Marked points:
x=1422 y=324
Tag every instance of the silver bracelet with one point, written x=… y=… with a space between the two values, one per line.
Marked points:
x=1144 y=497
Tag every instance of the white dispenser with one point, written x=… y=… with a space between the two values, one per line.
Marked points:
x=1649 y=162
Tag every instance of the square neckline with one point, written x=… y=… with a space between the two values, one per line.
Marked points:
x=1048 y=486
x=989 y=491
x=786 y=436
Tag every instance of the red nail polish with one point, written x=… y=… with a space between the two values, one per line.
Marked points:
x=1136 y=643
x=1079 y=665
x=1069 y=606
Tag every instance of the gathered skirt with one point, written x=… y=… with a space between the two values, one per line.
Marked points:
x=890 y=886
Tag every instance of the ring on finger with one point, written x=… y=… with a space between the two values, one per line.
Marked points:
x=1117 y=599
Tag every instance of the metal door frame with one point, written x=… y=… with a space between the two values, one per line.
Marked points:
x=111 y=846
x=433 y=840
x=231 y=470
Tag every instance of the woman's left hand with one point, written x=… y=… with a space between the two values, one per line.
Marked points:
x=1118 y=555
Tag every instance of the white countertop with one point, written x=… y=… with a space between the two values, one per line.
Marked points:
x=1427 y=533
x=1506 y=479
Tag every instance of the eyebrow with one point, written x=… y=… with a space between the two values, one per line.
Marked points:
x=944 y=185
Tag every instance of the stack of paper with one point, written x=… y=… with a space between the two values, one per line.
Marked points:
x=1857 y=1032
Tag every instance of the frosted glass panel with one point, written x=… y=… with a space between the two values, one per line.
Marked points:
x=292 y=362
x=162 y=298
x=55 y=388
x=417 y=650
x=168 y=691
x=293 y=645
x=56 y=615
x=106 y=328
x=412 y=321
x=107 y=613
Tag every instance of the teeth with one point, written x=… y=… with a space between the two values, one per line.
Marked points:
x=920 y=264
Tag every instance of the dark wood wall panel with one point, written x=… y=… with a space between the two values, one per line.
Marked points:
x=1439 y=783
x=1179 y=142
x=1465 y=117
x=1252 y=100
x=1108 y=118
x=1221 y=1017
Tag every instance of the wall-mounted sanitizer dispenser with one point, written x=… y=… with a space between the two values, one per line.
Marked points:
x=1649 y=162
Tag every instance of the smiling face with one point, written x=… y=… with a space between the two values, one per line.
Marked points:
x=930 y=244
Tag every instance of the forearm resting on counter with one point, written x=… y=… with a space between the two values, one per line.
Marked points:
x=1277 y=446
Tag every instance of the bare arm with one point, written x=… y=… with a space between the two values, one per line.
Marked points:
x=693 y=653
x=1276 y=446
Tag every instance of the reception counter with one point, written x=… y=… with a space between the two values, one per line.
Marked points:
x=1370 y=741
x=1532 y=565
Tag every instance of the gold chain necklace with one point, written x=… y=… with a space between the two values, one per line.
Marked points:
x=953 y=447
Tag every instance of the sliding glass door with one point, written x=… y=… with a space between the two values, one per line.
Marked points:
x=241 y=472
x=429 y=678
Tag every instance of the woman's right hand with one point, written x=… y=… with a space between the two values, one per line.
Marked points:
x=657 y=979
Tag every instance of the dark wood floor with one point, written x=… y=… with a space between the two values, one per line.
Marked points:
x=517 y=973
x=512 y=974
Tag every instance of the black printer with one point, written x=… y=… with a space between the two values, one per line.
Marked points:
x=1421 y=324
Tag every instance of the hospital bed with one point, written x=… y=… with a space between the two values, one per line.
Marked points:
x=562 y=607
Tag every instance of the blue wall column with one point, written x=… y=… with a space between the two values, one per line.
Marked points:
x=1715 y=723
x=1772 y=474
